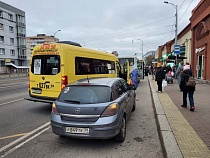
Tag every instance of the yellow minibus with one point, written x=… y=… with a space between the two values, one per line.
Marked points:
x=54 y=65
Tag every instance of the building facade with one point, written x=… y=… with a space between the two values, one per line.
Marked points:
x=39 y=39
x=200 y=25
x=12 y=39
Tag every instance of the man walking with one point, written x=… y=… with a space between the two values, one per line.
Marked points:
x=134 y=77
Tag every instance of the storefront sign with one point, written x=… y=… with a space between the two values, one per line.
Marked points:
x=198 y=50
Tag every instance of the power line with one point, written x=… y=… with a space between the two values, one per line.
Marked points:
x=181 y=4
x=138 y=32
x=111 y=43
x=96 y=38
x=186 y=10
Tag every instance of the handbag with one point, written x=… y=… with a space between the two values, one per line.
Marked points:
x=164 y=83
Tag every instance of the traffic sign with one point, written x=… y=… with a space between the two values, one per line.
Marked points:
x=177 y=49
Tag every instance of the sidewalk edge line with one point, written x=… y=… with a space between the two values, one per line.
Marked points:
x=164 y=141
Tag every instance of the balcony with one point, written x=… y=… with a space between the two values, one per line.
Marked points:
x=21 y=56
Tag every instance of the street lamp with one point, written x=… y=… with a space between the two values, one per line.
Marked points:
x=141 y=47
x=176 y=25
x=56 y=32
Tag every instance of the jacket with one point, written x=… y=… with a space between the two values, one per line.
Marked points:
x=159 y=74
x=184 y=79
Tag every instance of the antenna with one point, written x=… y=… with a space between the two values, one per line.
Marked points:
x=88 y=79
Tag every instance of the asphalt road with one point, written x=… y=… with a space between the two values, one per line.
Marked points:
x=22 y=117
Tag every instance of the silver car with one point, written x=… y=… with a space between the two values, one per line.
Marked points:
x=94 y=108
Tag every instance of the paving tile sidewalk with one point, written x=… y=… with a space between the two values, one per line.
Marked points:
x=190 y=129
x=200 y=118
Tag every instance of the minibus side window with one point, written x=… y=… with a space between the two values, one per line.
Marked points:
x=85 y=66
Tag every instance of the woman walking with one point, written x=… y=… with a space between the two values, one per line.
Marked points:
x=187 y=90
x=159 y=76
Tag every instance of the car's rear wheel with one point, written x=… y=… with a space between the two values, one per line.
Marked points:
x=120 y=137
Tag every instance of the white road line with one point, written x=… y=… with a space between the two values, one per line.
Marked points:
x=26 y=137
x=12 y=101
x=27 y=140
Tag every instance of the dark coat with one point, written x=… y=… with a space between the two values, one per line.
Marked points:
x=184 y=79
x=159 y=74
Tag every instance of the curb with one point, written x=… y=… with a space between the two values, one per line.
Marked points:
x=168 y=141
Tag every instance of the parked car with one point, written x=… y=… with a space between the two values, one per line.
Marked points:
x=94 y=108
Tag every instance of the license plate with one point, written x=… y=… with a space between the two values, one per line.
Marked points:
x=37 y=91
x=77 y=130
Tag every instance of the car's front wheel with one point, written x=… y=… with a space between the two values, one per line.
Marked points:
x=120 y=137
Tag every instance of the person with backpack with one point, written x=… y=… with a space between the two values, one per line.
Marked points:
x=187 y=87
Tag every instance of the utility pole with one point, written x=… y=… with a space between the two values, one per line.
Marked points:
x=176 y=25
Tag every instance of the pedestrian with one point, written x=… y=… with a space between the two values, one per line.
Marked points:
x=134 y=77
x=146 y=71
x=178 y=74
x=159 y=77
x=187 y=90
x=152 y=71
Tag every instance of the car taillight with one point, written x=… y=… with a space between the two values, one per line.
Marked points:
x=54 y=109
x=64 y=82
x=110 y=110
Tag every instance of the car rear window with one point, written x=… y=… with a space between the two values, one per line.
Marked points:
x=85 y=94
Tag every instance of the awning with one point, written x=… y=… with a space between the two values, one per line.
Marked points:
x=173 y=57
x=180 y=57
x=17 y=67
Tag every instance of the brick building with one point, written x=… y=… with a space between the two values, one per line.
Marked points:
x=200 y=52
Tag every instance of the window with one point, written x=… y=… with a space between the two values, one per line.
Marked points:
x=123 y=60
x=45 y=64
x=85 y=66
x=12 y=52
x=2 y=51
x=2 y=63
x=11 y=29
x=86 y=94
x=1 y=26
x=1 y=38
x=1 y=13
x=10 y=16
x=12 y=41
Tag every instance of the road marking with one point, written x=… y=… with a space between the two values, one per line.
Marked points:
x=25 y=137
x=12 y=136
x=11 y=101
x=27 y=140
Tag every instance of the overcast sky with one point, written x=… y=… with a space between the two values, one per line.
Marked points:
x=107 y=25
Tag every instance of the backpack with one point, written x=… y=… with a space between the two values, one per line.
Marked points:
x=191 y=82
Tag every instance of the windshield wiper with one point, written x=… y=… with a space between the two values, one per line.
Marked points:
x=72 y=101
